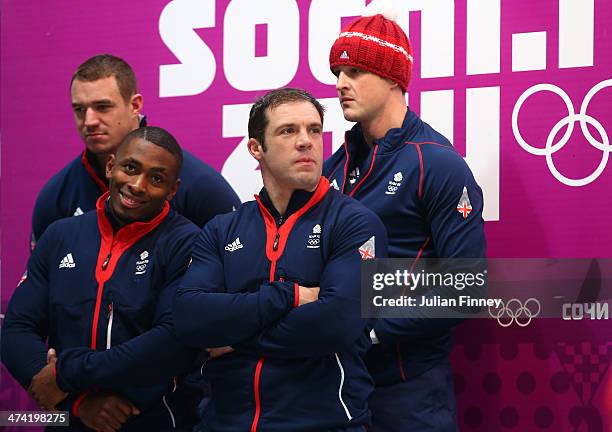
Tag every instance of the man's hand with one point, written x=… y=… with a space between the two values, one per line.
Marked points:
x=308 y=294
x=218 y=352
x=105 y=412
x=43 y=387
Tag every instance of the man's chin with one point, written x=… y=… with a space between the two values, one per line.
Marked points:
x=310 y=182
x=350 y=115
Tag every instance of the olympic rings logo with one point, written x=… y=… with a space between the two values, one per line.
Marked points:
x=569 y=120
x=515 y=311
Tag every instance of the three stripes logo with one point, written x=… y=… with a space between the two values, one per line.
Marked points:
x=67 y=262
x=234 y=246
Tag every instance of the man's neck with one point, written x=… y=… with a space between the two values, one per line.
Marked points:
x=392 y=117
x=280 y=195
x=280 y=198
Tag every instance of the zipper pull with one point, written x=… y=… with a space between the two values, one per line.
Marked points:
x=275 y=244
x=110 y=310
x=106 y=261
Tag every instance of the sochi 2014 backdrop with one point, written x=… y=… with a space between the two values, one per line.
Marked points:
x=523 y=88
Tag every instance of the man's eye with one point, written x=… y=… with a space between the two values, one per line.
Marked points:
x=78 y=110
x=102 y=108
x=129 y=168
x=316 y=130
x=157 y=179
x=287 y=131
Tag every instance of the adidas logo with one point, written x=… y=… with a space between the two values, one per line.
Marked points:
x=234 y=246
x=334 y=184
x=78 y=212
x=344 y=55
x=67 y=262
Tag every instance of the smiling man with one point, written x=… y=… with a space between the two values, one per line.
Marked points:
x=106 y=106
x=99 y=290
x=278 y=282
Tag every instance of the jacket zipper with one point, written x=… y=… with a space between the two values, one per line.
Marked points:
x=96 y=317
x=109 y=328
x=260 y=362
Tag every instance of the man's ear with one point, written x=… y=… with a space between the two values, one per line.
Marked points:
x=174 y=189
x=110 y=163
x=136 y=103
x=392 y=84
x=255 y=148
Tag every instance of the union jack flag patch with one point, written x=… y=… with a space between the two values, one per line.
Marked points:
x=368 y=249
x=464 y=207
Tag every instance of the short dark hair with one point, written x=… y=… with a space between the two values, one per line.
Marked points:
x=258 y=119
x=160 y=137
x=107 y=65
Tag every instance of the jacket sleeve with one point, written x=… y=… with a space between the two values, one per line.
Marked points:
x=155 y=352
x=333 y=322
x=25 y=329
x=207 y=315
x=446 y=177
x=45 y=211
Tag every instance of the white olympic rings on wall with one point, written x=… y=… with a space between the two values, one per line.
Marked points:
x=515 y=311
x=569 y=120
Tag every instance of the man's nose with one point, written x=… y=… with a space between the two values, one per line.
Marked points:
x=91 y=117
x=138 y=184
x=341 y=82
x=304 y=140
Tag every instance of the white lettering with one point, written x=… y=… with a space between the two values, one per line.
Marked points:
x=243 y=69
x=197 y=67
x=437 y=54
x=326 y=18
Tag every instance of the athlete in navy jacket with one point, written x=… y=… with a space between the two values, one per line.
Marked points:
x=413 y=178
x=296 y=360
x=99 y=290
x=106 y=106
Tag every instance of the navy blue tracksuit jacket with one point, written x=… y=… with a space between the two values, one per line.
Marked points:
x=426 y=196
x=295 y=368
x=103 y=300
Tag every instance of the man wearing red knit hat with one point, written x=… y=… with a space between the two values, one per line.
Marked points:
x=416 y=182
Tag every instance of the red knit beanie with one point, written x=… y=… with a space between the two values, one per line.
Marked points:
x=375 y=43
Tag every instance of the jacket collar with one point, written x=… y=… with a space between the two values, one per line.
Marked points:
x=131 y=232
x=298 y=199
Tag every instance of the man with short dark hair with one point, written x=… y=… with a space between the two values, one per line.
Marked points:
x=106 y=107
x=99 y=288
x=414 y=179
x=278 y=282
